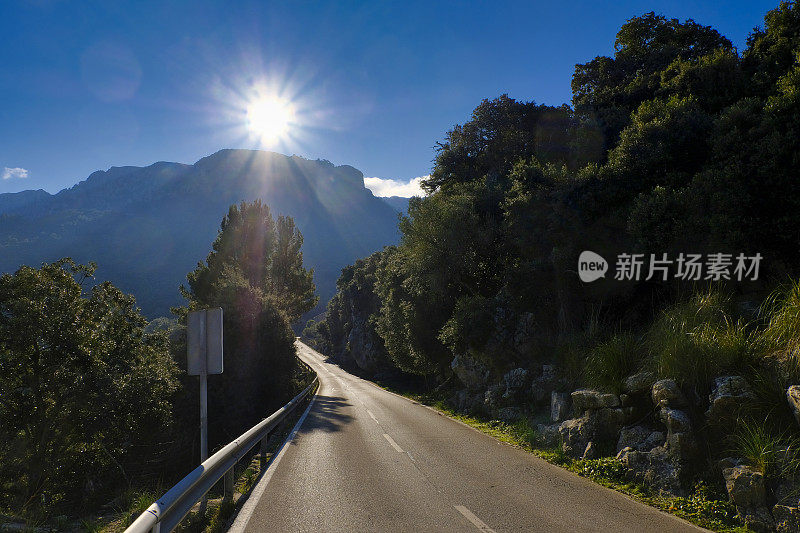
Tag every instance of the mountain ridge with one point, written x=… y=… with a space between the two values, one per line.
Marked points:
x=146 y=227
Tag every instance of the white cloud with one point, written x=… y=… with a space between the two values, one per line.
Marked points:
x=15 y=172
x=388 y=187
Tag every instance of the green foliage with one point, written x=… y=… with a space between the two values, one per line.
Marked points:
x=255 y=273
x=262 y=252
x=84 y=391
x=705 y=509
x=695 y=341
x=605 y=468
x=612 y=361
x=774 y=453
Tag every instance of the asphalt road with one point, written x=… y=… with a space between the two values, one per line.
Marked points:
x=365 y=459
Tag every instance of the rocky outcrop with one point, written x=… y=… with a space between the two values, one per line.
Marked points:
x=514 y=381
x=639 y=383
x=787 y=519
x=586 y=400
x=509 y=414
x=639 y=438
x=666 y=393
x=747 y=493
x=653 y=468
x=468 y=401
x=598 y=426
x=473 y=374
x=730 y=394
x=559 y=406
x=543 y=385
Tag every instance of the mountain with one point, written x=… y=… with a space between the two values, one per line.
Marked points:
x=398 y=203
x=147 y=227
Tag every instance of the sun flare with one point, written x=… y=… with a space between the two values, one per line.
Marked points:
x=270 y=118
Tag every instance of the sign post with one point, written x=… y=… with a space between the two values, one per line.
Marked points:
x=204 y=357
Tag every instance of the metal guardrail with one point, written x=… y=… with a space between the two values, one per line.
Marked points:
x=168 y=511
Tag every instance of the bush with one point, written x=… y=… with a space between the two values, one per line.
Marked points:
x=696 y=341
x=610 y=362
x=84 y=389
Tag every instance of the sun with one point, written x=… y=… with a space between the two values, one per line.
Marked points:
x=270 y=118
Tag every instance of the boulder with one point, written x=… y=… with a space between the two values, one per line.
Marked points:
x=639 y=383
x=666 y=393
x=493 y=397
x=682 y=448
x=548 y=434
x=793 y=397
x=588 y=400
x=747 y=493
x=514 y=381
x=729 y=395
x=601 y=425
x=473 y=374
x=559 y=406
x=544 y=385
x=639 y=438
x=787 y=519
x=509 y=414
x=675 y=420
x=468 y=401
x=653 y=469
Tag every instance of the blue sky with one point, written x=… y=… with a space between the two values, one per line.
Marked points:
x=372 y=84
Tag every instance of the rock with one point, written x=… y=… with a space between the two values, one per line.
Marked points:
x=747 y=493
x=728 y=462
x=666 y=393
x=544 y=385
x=468 y=401
x=639 y=383
x=514 y=381
x=682 y=448
x=729 y=395
x=493 y=397
x=548 y=434
x=639 y=438
x=601 y=425
x=787 y=519
x=473 y=374
x=652 y=468
x=587 y=400
x=559 y=406
x=793 y=397
x=590 y=452
x=675 y=420
x=509 y=414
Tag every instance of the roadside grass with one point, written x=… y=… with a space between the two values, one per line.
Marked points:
x=702 y=508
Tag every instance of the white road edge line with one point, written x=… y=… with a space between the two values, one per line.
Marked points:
x=244 y=514
x=474 y=519
x=393 y=443
x=373 y=416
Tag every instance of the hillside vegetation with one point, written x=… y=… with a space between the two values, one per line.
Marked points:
x=678 y=144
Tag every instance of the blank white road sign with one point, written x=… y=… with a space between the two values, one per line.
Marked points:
x=204 y=341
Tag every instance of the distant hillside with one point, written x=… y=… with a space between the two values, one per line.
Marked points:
x=147 y=227
x=399 y=203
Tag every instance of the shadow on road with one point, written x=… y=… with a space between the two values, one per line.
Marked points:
x=327 y=415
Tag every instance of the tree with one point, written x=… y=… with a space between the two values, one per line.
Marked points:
x=82 y=386
x=266 y=253
x=255 y=273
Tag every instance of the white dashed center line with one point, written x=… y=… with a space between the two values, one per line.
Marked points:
x=474 y=519
x=372 y=416
x=393 y=443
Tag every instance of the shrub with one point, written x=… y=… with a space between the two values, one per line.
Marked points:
x=610 y=362
x=696 y=341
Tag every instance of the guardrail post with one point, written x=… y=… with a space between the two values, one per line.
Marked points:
x=229 y=483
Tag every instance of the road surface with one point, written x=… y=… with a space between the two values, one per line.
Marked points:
x=365 y=459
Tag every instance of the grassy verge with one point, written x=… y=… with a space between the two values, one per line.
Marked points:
x=701 y=508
